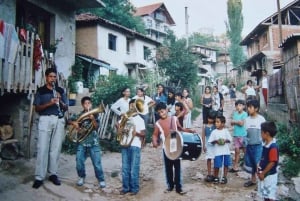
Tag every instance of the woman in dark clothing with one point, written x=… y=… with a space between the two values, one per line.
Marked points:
x=206 y=101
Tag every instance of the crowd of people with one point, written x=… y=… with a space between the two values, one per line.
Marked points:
x=251 y=134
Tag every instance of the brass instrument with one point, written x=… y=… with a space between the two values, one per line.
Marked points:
x=126 y=129
x=75 y=135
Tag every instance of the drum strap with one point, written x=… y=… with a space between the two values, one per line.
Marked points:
x=162 y=133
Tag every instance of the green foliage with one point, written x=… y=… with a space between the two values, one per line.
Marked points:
x=68 y=147
x=201 y=39
x=234 y=31
x=178 y=63
x=109 y=89
x=120 y=12
x=288 y=140
x=76 y=75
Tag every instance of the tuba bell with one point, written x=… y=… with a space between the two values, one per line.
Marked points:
x=126 y=129
x=75 y=135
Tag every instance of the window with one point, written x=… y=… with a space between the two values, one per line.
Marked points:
x=112 y=42
x=128 y=45
x=147 y=53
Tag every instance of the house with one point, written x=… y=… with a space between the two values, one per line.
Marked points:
x=114 y=47
x=264 y=52
x=53 y=24
x=291 y=74
x=157 y=20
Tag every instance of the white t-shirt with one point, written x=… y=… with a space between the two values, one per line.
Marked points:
x=264 y=83
x=146 y=100
x=139 y=126
x=216 y=134
x=252 y=125
x=250 y=91
x=121 y=106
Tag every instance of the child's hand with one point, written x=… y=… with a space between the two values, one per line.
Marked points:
x=261 y=176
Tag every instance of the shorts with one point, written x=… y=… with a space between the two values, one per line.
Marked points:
x=218 y=161
x=268 y=187
x=209 y=151
x=253 y=156
x=239 y=142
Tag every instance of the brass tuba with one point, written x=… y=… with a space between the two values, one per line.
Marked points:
x=126 y=129
x=75 y=135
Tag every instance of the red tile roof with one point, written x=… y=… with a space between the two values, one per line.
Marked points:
x=149 y=9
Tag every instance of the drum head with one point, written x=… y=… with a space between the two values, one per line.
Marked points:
x=173 y=145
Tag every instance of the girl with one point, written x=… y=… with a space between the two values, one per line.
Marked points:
x=187 y=122
x=206 y=101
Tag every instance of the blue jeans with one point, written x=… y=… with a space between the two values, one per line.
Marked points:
x=131 y=157
x=253 y=156
x=95 y=154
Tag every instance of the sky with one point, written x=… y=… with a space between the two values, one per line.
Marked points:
x=209 y=16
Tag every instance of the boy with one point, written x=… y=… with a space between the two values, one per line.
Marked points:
x=89 y=146
x=207 y=147
x=254 y=141
x=221 y=138
x=239 y=132
x=163 y=127
x=131 y=155
x=267 y=169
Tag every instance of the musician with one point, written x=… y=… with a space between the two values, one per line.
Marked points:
x=163 y=127
x=50 y=102
x=90 y=145
x=131 y=155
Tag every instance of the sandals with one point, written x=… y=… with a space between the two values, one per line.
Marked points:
x=216 y=180
x=249 y=183
x=209 y=178
x=224 y=180
x=233 y=170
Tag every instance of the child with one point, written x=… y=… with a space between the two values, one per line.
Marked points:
x=207 y=147
x=267 y=169
x=254 y=141
x=131 y=155
x=163 y=127
x=89 y=146
x=221 y=138
x=239 y=132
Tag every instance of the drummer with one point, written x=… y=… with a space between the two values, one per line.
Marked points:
x=163 y=127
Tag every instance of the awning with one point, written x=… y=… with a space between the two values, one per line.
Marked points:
x=97 y=62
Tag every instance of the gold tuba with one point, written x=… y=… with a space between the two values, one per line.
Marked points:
x=126 y=129
x=75 y=135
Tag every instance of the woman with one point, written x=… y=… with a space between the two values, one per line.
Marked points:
x=206 y=101
x=171 y=102
x=232 y=94
x=218 y=101
x=187 y=122
x=249 y=90
x=121 y=106
x=148 y=102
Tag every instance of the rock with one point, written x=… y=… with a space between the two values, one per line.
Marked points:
x=296 y=182
x=283 y=190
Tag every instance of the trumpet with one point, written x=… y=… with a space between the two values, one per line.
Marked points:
x=60 y=113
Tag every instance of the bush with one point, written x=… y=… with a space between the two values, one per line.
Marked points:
x=288 y=140
x=109 y=90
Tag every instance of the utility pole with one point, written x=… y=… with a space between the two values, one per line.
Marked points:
x=280 y=28
x=225 y=62
x=186 y=26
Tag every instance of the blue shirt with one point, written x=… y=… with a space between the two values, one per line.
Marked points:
x=239 y=131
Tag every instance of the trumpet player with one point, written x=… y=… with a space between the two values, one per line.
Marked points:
x=51 y=128
x=90 y=145
x=131 y=155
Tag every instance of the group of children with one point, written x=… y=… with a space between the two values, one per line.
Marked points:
x=254 y=136
x=251 y=133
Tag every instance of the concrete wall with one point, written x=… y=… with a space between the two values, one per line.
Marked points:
x=8 y=11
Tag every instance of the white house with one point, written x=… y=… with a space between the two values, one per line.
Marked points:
x=114 y=47
x=157 y=20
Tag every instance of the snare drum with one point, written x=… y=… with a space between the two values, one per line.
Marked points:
x=181 y=145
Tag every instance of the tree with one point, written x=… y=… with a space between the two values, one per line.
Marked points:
x=234 y=31
x=201 y=39
x=178 y=62
x=120 y=12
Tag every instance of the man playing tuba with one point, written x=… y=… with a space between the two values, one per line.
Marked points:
x=131 y=153
x=90 y=144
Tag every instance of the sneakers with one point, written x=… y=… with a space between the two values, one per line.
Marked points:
x=181 y=192
x=224 y=180
x=102 y=184
x=54 y=180
x=37 y=184
x=80 y=181
x=168 y=190
x=216 y=180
